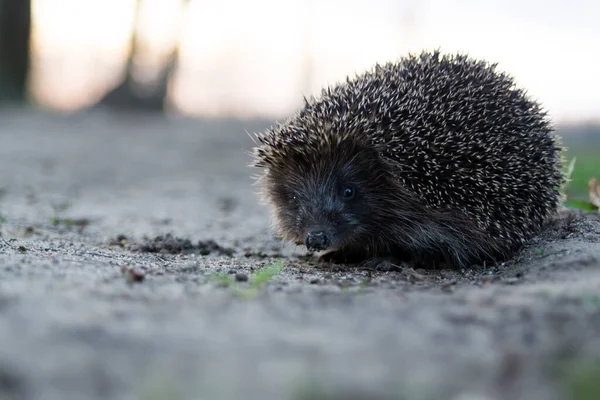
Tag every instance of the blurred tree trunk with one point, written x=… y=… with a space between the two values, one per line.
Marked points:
x=15 y=31
x=130 y=94
x=124 y=96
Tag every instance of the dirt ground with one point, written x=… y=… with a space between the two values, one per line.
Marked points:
x=136 y=263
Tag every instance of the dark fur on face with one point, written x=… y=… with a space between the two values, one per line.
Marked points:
x=338 y=195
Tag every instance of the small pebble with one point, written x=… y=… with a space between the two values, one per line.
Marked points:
x=132 y=275
x=241 y=277
x=314 y=281
x=511 y=281
x=448 y=287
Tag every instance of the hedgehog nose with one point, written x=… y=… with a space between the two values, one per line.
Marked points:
x=317 y=240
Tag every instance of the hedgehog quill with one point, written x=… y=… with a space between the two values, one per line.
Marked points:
x=432 y=158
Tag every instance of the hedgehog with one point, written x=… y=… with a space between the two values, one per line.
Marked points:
x=433 y=159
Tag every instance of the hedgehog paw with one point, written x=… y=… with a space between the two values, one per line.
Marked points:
x=340 y=257
x=381 y=264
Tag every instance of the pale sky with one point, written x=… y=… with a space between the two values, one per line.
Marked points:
x=250 y=58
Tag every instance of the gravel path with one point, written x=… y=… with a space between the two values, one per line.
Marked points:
x=136 y=263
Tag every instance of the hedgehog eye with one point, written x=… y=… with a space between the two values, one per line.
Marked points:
x=348 y=192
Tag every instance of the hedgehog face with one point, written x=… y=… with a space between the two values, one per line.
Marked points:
x=324 y=202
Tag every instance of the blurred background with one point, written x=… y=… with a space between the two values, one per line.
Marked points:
x=239 y=59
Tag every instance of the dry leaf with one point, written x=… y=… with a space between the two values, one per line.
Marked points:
x=594 y=189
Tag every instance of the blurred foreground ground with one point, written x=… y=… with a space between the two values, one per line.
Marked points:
x=79 y=194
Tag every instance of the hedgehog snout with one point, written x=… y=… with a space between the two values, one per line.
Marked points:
x=317 y=240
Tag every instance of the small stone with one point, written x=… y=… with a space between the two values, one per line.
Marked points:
x=448 y=287
x=511 y=281
x=241 y=277
x=314 y=281
x=132 y=275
